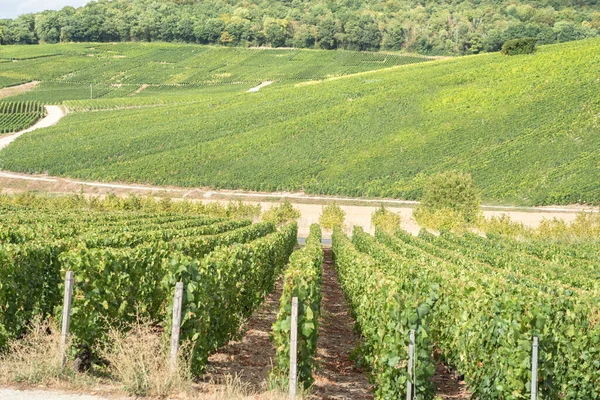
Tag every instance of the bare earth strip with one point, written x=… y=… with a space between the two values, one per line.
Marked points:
x=15 y=90
x=337 y=376
x=251 y=357
x=449 y=386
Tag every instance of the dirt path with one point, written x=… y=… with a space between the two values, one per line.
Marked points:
x=449 y=386
x=15 y=90
x=337 y=377
x=249 y=358
x=257 y=88
x=54 y=114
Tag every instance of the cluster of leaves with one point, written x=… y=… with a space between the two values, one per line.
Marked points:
x=133 y=202
x=461 y=27
x=29 y=285
x=281 y=214
x=16 y=116
x=332 y=216
x=225 y=287
x=386 y=220
x=519 y=46
x=490 y=305
x=303 y=279
x=388 y=303
x=449 y=199
x=512 y=126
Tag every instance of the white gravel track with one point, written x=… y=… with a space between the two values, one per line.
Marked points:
x=54 y=114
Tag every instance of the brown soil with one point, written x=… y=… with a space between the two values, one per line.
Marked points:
x=250 y=358
x=337 y=376
x=15 y=90
x=449 y=386
x=141 y=88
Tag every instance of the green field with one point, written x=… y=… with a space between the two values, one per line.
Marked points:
x=526 y=127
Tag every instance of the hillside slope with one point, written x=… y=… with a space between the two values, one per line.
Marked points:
x=526 y=127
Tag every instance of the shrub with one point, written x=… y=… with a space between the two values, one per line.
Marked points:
x=519 y=46
x=442 y=219
x=451 y=197
x=386 y=220
x=332 y=216
x=503 y=225
x=281 y=214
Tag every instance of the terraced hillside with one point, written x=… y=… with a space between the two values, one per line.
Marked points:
x=526 y=127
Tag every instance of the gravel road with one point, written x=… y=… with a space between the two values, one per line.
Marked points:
x=54 y=114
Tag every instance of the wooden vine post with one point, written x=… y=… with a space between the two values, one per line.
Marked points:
x=176 y=327
x=66 y=317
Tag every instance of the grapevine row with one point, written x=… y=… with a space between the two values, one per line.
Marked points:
x=303 y=279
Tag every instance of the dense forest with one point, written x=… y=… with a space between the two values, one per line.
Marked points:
x=428 y=27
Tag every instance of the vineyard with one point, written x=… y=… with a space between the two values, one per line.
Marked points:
x=114 y=71
x=476 y=304
x=126 y=265
x=16 y=116
x=523 y=126
x=470 y=303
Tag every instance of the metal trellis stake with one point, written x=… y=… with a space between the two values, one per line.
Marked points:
x=534 y=368
x=411 y=355
x=293 y=347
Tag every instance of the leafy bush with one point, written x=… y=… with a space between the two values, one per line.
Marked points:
x=386 y=220
x=444 y=218
x=519 y=46
x=303 y=279
x=332 y=216
x=29 y=284
x=503 y=225
x=281 y=214
x=449 y=199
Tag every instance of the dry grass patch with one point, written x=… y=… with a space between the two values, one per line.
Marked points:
x=36 y=358
x=139 y=360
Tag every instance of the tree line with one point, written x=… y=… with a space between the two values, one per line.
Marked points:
x=427 y=27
